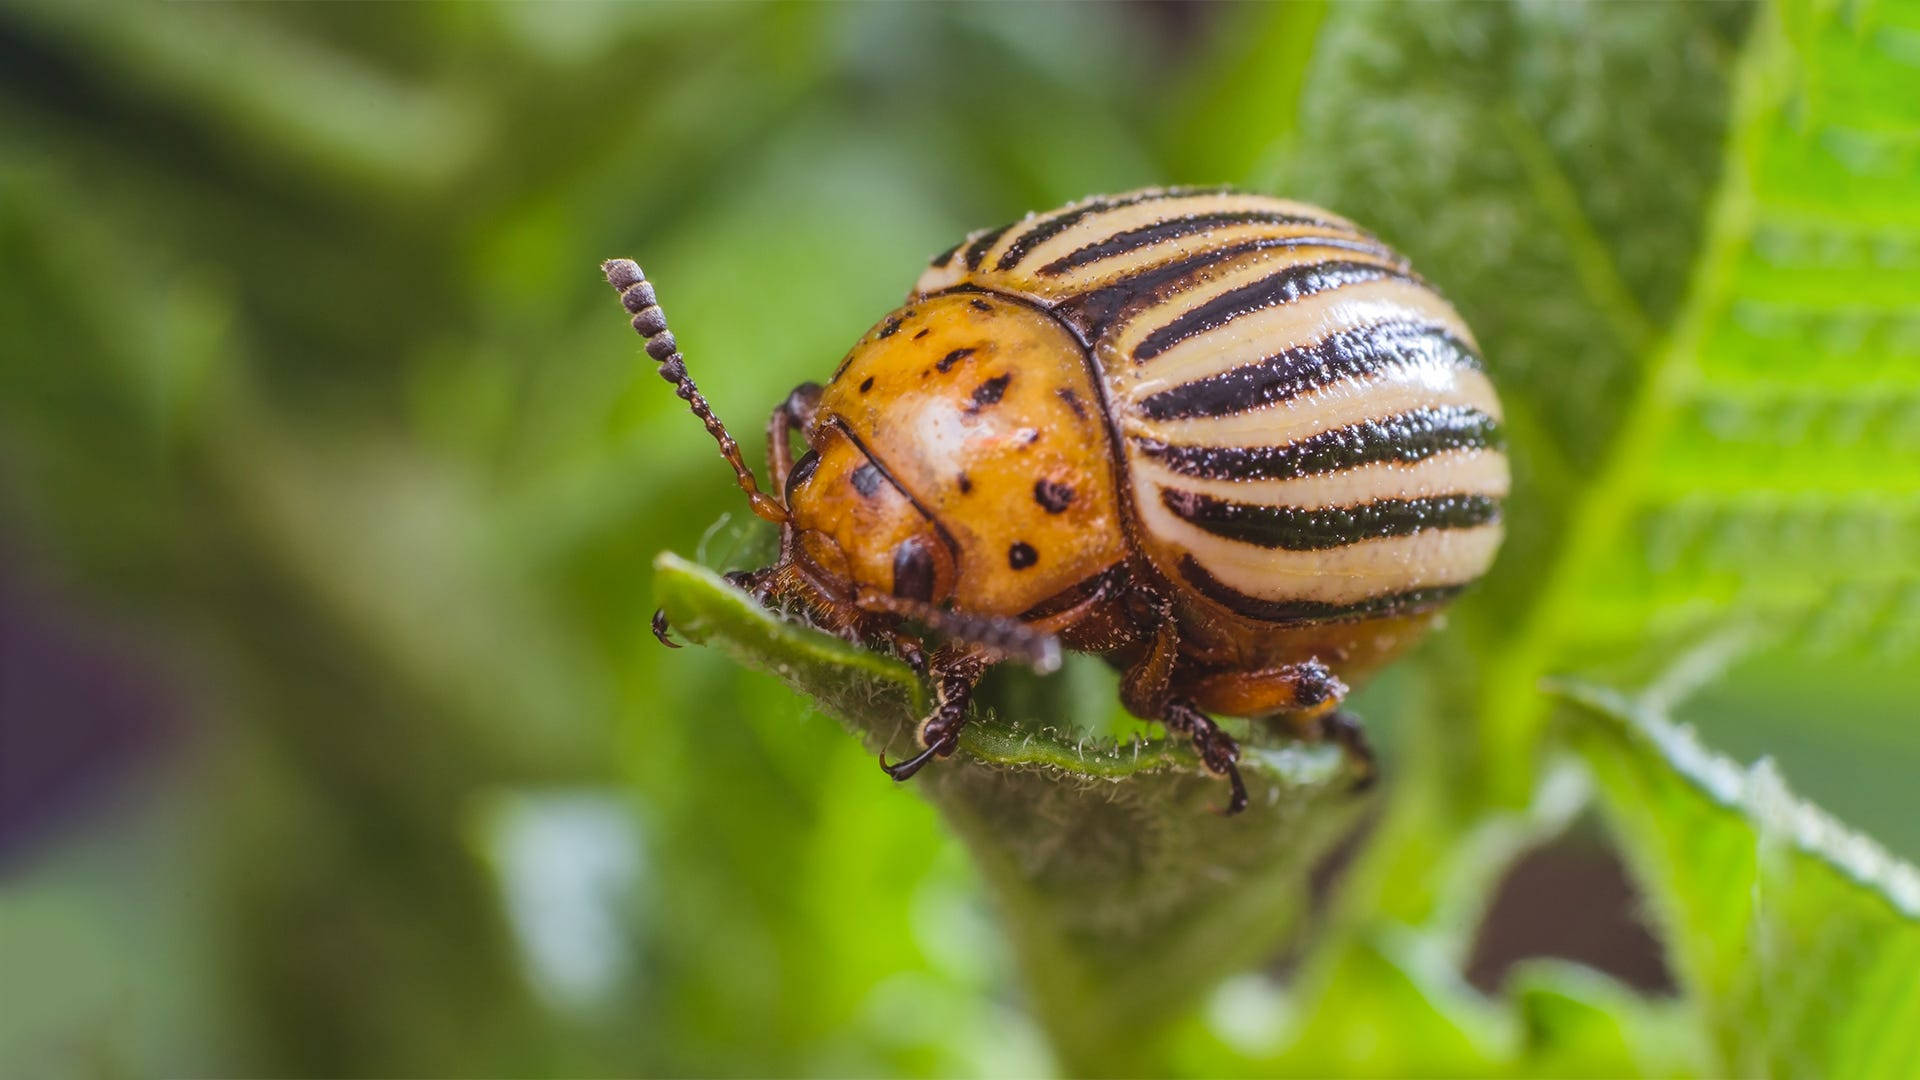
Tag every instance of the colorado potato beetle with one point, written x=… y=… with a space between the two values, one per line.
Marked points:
x=1231 y=443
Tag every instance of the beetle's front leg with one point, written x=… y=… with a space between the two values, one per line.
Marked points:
x=954 y=672
x=793 y=414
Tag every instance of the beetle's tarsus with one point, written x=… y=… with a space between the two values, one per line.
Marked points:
x=1218 y=751
x=904 y=770
x=660 y=628
x=1238 y=800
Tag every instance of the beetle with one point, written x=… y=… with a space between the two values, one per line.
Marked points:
x=1231 y=443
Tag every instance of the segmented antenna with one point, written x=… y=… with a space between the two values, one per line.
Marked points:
x=636 y=292
x=1007 y=639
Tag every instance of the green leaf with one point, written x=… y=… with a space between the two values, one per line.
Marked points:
x=1797 y=938
x=1125 y=896
x=1764 y=474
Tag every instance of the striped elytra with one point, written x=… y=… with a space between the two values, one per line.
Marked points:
x=1232 y=443
x=1302 y=417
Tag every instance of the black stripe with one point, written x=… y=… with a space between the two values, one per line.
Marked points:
x=1305 y=611
x=1121 y=243
x=1408 y=437
x=1345 y=354
x=977 y=250
x=1295 y=528
x=1282 y=287
x=946 y=256
x=1093 y=311
x=1049 y=227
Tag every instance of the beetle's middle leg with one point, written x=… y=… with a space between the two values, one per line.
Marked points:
x=1217 y=749
x=1146 y=689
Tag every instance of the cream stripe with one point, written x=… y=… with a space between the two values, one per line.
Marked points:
x=1456 y=472
x=1399 y=389
x=934 y=278
x=1342 y=575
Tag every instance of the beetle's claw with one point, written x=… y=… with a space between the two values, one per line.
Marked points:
x=660 y=628
x=904 y=770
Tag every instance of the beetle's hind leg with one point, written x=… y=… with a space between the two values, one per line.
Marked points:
x=1217 y=749
x=1345 y=730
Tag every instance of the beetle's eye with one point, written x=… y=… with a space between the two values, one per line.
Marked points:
x=913 y=570
x=802 y=472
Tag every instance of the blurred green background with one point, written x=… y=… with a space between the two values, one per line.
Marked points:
x=335 y=740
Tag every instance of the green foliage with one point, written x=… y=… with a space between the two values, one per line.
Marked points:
x=308 y=387
x=1797 y=936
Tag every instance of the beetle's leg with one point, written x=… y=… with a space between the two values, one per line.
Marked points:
x=791 y=415
x=908 y=648
x=1146 y=685
x=636 y=292
x=1217 y=750
x=1303 y=692
x=1305 y=696
x=955 y=673
x=1345 y=730
x=1146 y=691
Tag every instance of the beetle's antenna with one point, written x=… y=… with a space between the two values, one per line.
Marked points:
x=636 y=292
x=1008 y=639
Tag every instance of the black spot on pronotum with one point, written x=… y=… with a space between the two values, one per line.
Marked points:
x=922 y=332
x=866 y=479
x=966 y=483
x=913 y=569
x=980 y=305
x=892 y=327
x=1021 y=555
x=1073 y=401
x=866 y=384
x=1028 y=436
x=1052 y=497
x=946 y=362
x=990 y=392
